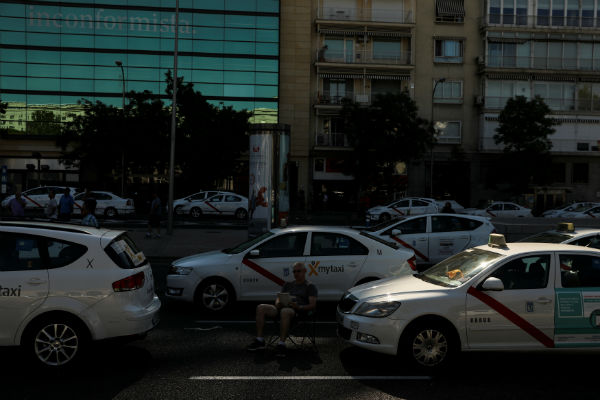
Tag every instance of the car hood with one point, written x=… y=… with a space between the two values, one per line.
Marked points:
x=393 y=287
x=198 y=260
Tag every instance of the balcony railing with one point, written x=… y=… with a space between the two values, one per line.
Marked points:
x=557 y=104
x=541 y=21
x=331 y=140
x=559 y=63
x=366 y=15
x=336 y=98
x=364 y=57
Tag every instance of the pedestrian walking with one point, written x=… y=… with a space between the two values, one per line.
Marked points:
x=17 y=205
x=154 y=217
x=90 y=200
x=51 y=210
x=65 y=206
x=88 y=216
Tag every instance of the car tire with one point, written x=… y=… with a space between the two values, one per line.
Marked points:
x=241 y=214
x=55 y=341
x=429 y=345
x=215 y=295
x=384 y=217
x=111 y=212
x=195 y=212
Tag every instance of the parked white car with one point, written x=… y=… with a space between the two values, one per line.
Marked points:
x=108 y=204
x=37 y=198
x=435 y=237
x=501 y=209
x=520 y=296
x=225 y=203
x=566 y=233
x=402 y=207
x=574 y=207
x=336 y=259
x=592 y=212
x=178 y=204
x=63 y=284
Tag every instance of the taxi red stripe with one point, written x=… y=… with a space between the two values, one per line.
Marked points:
x=33 y=201
x=398 y=211
x=512 y=317
x=491 y=213
x=270 y=276
x=408 y=246
x=213 y=207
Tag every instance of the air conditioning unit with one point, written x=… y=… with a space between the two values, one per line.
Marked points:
x=479 y=100
x=480 y=60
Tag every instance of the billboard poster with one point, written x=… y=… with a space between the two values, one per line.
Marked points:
x=261 y=172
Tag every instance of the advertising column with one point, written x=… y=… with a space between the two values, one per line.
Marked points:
x=261 y=177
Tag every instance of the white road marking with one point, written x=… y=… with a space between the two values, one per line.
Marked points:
x=310 y=378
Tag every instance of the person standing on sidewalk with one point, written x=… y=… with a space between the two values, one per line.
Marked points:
x=65 y=206
x=88 y=214
x=51 y=209
x=17 y=205
x=154 y=217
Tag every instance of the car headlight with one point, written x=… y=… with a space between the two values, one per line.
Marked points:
x=175 y=270
x=377 y=310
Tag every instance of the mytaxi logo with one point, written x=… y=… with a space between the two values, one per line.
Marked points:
x=313 y=268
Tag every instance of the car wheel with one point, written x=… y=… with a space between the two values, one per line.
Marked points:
x=55 y=341
x=384 y=217
x=428 y=345
x=215 y=295
x=196 y=212
x=110 y=212
x=240 y=213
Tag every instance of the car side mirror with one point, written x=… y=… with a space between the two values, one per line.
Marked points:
x=396 y=232
x=492 y=283
x=253 y=253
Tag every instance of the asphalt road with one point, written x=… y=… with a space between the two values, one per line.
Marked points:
x=195 y=355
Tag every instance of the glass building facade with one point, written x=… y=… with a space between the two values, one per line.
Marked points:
x=55 y=53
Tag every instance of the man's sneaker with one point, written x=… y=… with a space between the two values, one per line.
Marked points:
x=280 y=350
x=256 y=345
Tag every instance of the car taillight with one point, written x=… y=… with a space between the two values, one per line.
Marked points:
x=413 y=263
x=132 y=282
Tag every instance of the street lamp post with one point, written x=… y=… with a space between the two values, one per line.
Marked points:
x=120 y=64
x=441 y=80
x=173 y=124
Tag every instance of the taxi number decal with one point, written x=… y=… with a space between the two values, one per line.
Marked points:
x=408 y=246
x=270 y=276
x=512 y=317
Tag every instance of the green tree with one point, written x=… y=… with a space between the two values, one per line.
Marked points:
x=524 y=129
x=385 y=133
x=44 y=122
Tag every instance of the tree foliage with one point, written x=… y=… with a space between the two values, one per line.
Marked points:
x=524 y=129
x=385 y=133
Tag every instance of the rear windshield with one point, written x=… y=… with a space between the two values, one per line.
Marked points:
x=125 y=253
x=547 y=237
x=459 y=268
x=380 y=240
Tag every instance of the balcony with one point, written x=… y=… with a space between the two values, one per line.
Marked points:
x=540 y=21
x=333 y=140
x=364 y=57
x=396 y=16
x=545 y=63
x=583 y=104
x=336 y=98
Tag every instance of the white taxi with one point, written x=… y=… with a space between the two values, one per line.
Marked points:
x=402 y=207
x=501 y=209
x=63 y=285
x=591 y=212
x=520 y=296
x=37 y=198
x=574 y=207
x=566 y=233
x=434 y=237
x=224 y=204
x=336 y=259
x=107 y=203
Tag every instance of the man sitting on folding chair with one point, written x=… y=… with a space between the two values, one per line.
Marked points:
x=303 y=296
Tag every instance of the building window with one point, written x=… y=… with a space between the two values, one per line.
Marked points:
x=557 y=171
x=577 y=13
x=451 y=134
x=583 y=146
x=388 y=51
x=580 y=173
x=508 y=12
x=448 y=92
x=319 y=164
x=448 y=51
x=450 y=11
x=338 y=49
x=557 y=95
x=335 y=90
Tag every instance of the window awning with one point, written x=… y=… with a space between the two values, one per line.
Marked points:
x=450 y=8
x=383 y=77
x=340 y=76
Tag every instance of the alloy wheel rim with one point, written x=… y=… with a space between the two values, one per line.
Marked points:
x=430 y=347
x=56 y=344
x=215 y=297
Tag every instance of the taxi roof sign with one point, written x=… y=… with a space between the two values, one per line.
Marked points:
x=497 y=240
x=566 y=227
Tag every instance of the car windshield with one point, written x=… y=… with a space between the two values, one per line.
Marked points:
x=547 y=237
x=458 y=269
x=246 y=245
x=383 y=225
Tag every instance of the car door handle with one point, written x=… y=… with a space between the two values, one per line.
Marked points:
x=352 y=264
x=543 y=300
x=422 y=239
x=36 y=281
